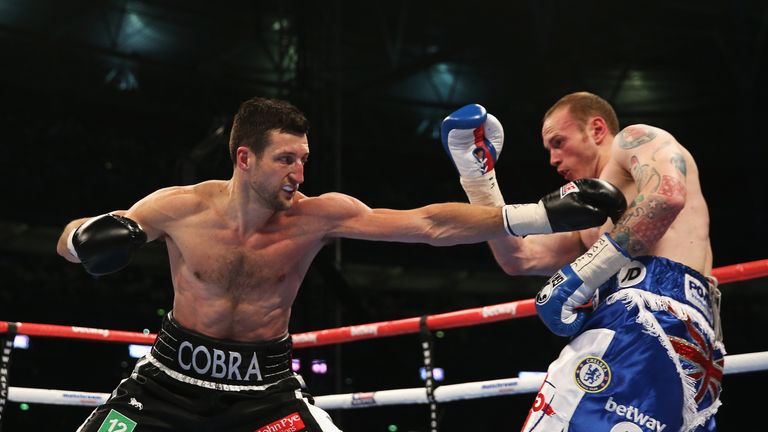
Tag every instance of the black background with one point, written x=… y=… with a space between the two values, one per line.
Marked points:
x=105 y=101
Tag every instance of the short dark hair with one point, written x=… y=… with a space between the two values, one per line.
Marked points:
x=583 y=105
x=257 y=117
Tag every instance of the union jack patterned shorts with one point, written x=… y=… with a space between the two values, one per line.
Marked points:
x=649 y=358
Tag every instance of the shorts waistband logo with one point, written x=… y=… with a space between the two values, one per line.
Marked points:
x=217 y=364
x=631 y=274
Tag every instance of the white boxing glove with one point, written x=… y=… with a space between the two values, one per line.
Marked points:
x=473 y=140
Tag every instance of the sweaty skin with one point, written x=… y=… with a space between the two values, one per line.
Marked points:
x=239 y=249
x=667 y=214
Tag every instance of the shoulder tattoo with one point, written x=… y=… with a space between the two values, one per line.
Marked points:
x=679 y=162
x=635 y=136
x=644 y=174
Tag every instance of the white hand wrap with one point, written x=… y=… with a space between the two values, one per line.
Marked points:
x=526 y=219
x=604 y=259
x=483 y=190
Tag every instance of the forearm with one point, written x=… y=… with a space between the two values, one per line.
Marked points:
x=536 y=254
x=648 y=219
x=450 y=224
x=458 y=223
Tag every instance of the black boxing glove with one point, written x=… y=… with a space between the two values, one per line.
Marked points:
x=104 y=244
x=580 y=204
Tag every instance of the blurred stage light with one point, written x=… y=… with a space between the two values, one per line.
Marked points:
x=319 y=366
x=138 y=351
x=530 y=374
x=438 y=374
x=295 y=364
x=21 y=341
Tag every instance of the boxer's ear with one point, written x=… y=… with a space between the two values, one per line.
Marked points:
x=598 y=130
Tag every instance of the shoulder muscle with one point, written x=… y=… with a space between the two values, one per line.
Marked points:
x=158 y=210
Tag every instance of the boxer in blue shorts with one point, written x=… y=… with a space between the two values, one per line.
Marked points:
x=646 y=353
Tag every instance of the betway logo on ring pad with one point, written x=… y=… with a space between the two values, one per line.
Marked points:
x=502 y=309
x=365 y=329
x=102 y=332
x=305 y=338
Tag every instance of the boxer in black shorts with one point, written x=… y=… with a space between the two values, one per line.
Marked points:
x=191 y=382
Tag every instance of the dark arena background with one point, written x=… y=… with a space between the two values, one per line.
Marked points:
x=103 y=102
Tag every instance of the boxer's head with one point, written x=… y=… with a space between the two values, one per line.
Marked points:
x=269 y=148
x=257 y=117
x=578 y=131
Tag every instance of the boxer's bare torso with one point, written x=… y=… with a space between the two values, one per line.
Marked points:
x=239 y=249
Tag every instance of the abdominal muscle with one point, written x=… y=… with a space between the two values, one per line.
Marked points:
x=220 y=316
x=237 y=293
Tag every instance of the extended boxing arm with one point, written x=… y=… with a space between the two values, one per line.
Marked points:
x=457 y=223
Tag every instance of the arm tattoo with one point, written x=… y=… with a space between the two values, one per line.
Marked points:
x=649 y=217
x=635 y=136
x=666 y=143
x=641 y=235
x=671 y=187
x=644 y=174
x=679 y=162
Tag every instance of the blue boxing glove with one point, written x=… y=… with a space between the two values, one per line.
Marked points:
x=473 y=140
x=575 y=284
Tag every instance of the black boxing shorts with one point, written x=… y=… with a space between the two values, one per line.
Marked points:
x=191 y=382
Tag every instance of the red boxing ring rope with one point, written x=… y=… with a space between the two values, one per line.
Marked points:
x=462 y=318
x=738 y=363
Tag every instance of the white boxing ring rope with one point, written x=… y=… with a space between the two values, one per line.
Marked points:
x=734 y=364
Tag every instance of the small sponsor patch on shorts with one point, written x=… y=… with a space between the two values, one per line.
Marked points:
x=631 y=274
x=290 y=423
x=698 y=294
x=592 y=374
x=117 y=422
